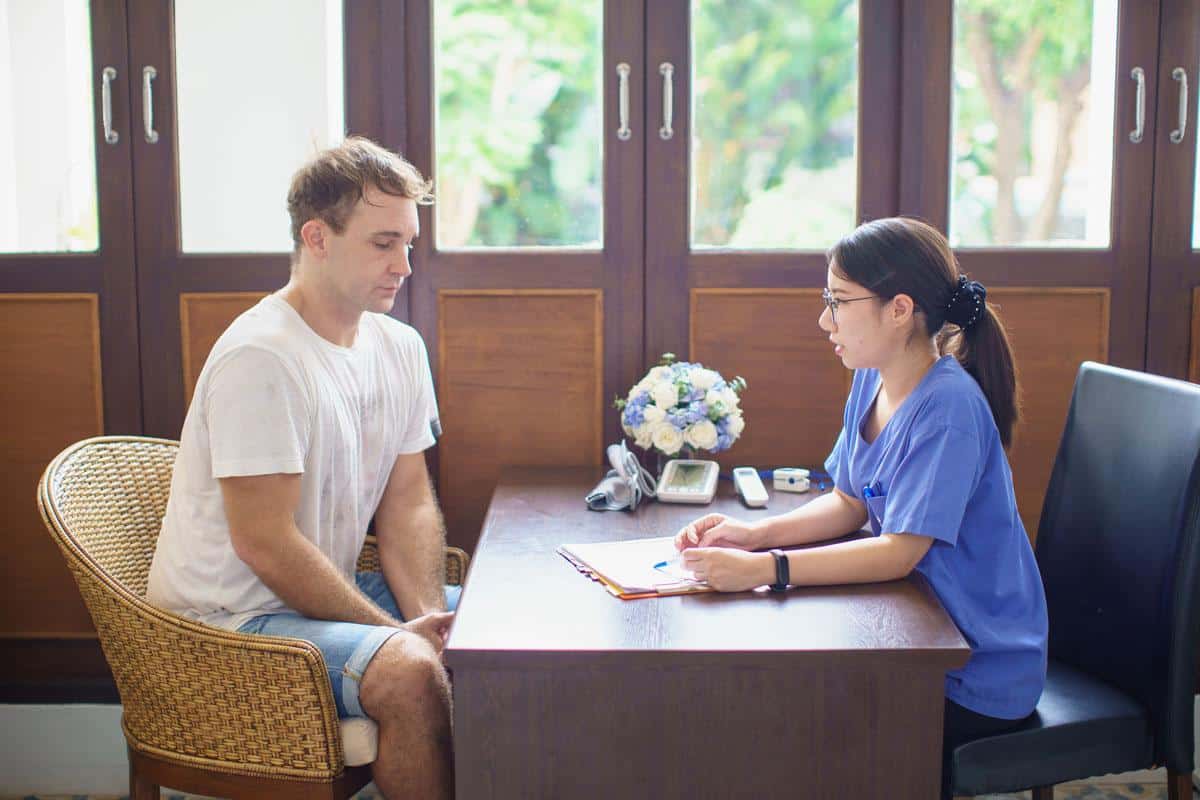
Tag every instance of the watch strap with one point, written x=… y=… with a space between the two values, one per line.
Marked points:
x=782 y=570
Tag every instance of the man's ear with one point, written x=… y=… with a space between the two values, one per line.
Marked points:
x=314 y=235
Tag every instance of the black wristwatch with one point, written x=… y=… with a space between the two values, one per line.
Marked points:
x=781 y=571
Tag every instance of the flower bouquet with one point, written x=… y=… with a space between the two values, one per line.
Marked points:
x=679 y=408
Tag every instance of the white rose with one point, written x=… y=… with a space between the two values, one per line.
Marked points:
x=701 y=435
x=665 y=395
x=736 y=425
x=703 y=379
x=729 y=398
x=712 y=397
x=653 y=415
x=667 y=438
x=643 y=435
x=658 y=374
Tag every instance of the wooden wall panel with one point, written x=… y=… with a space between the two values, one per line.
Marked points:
x=203 y=317
x=796 y=387
x=1052 y=331
x=520 y=382
x=50 y=397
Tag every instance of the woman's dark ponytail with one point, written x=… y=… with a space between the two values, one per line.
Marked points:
x=984 y=351
x=901 y=255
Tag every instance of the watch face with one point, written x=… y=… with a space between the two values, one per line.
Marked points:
x=686 y=476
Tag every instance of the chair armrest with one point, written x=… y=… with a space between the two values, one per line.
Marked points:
x=256 y=705
x=456 y=561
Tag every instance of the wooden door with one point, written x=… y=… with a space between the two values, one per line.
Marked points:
x=236 y=111
x=68 y=319
x=527 y=284
x=785 y=136
x=1021 y=137
x=1173 y=330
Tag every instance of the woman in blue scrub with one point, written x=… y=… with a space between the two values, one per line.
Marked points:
x=921 y=457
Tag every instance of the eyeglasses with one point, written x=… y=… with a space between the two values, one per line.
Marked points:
x=834 y=302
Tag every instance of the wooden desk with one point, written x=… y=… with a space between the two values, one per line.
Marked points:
x=563 y=691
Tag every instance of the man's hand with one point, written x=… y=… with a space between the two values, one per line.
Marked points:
x=718 y=530
x=433 y=628
x=729 y=570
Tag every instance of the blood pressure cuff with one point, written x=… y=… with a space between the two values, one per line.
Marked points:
x=614 y=493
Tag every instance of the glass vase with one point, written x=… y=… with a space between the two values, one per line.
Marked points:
x=661 y=459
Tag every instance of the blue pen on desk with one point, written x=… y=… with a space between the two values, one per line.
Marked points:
x=668 y=562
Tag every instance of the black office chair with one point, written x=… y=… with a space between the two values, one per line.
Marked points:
x=1119 y=548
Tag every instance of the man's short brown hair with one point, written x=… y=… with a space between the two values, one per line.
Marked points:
x=328 y=186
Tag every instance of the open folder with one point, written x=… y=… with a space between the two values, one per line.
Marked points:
x=627 y=569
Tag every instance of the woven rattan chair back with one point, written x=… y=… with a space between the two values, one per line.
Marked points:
x=196 y=699
x=108 y=497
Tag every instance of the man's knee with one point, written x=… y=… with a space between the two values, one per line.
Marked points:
x=404 y=678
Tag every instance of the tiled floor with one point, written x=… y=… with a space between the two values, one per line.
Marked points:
x=1072 y=791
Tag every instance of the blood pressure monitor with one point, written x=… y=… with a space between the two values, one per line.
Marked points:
x=688 y=481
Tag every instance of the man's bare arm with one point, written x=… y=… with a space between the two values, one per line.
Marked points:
x=412 y=538
x=261 y=513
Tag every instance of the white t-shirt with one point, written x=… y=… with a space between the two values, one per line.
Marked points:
x=275 y=397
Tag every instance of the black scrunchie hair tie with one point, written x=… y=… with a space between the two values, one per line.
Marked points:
x=967 y=303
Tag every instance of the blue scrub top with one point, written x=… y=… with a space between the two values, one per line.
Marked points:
x=938 y=469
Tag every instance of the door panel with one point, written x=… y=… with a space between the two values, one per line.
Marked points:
x=1172 y=346
x=1055 y=250
x=521 y=373
x=1048 y=353
x=771 y=160
x=51 y=396
x=68 y=344
x=537 y=232
x=211 y=198
x=796 y=391
x=203 y=317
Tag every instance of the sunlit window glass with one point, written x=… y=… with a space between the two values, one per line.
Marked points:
x=1033 y=122
x=48 y=128
x=252 y=108
x=518 y=123
x=774 y=117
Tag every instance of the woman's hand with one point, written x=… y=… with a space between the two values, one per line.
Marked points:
x=718 y=530
x=728 y=570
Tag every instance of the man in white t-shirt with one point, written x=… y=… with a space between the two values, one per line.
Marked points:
x=309 y=419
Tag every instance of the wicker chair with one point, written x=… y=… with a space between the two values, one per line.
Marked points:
x=206 y=710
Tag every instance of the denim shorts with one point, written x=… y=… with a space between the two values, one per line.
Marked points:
x=347 y=647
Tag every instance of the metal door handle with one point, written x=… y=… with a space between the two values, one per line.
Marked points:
x=148 y=75
x=623 y=132
x=667 y=70
x=107 y=76
x=1180 y=74
x=1139 y=75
